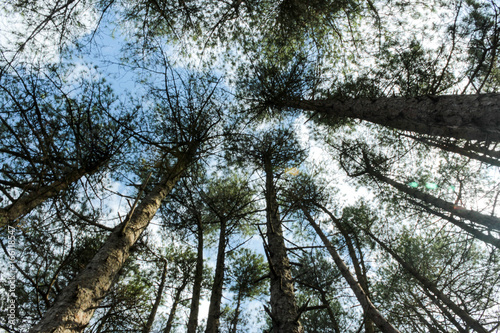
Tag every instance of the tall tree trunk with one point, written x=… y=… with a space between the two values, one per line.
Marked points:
x=331 y=314
x=490 y=222
x=462 y=225
x=486 y=156
x=26 y=203
x=470 y=117
x=213 y=321
x=173 y=309
x=75 y=305
x=152 y=314
x=427 y=284
x=360 y=274
x=284 y=310
x=198 y=279
x=368 y=308
x=234 y=322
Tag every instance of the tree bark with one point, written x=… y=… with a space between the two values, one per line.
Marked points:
x=490 y=222
x=198 y=279
x=470 y=117
x=152 y=314
x=75 y=305
x=213 y=320
x=475 y=325
x=26 y=203
x=368 y=307
x=284 y=310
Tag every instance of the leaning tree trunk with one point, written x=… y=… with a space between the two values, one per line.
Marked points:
x=368 y=308
x=483 y=155
x=284 y=312
x=26 y=203
x=75 y=305
x=175 y=303
x=470 y=117
x=154 y=310
x=213 y=320
x=198 y=279
x=431 y=286
x=487 y=238
x=490 y=222
x=234 y=321
x=360 y=274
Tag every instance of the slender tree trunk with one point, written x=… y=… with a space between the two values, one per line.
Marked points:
x=329 y=309
x=470 y=117
x=360 y=275
x=462 y=225
x=198 y=279
x=152 y=314
x=446 y=312
x=213 y=321
x=26 y=203
x=234 y=322
x=173 y=309
x=75 y=305
x=368 y=308
x=475 y=325
x=454 y=148
x=490 y=222
x=284 y=310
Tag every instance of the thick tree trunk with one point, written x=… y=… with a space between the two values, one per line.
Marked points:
x=26 y=203
x=173 y=309
x=152 y=314
x=490 y=222
x=284 y=310
x=213 y=321
x=475 y=325
x=75 y=305
x=470 y=117
x=198 y=279
x=366 y=304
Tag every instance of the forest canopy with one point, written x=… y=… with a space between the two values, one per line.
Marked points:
x=250 y=166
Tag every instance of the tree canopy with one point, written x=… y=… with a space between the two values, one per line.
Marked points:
x=250 y=165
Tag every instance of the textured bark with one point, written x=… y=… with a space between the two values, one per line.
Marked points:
x=284 y=311
x=470 y=117
x=75 y=305
x=490 y=222
x=213 y=320
x=427 y=284
x=152 y=314
x=175 y=303
x=26 y=203
x=198 y=279
x=368 y=307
